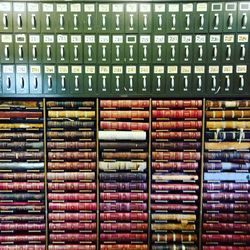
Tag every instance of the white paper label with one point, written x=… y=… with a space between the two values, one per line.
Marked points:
x=47 y=7
x=62 y=38
x=185 y=69
x=214 y=38
x=201 y=7
x=173 y=39
x=131 y=7
x=34 y=38
x=21 y=69
x=76 y=69
x=243 y=38
x=144 y=39
x=117 y=69
x=89 y=39
x=214 y=69
x=230 y=6
x=228 y=38
x=5 y=6
x=104 y=69
x=103 y=7
x=48 y=39
x=63 y=69
x=117 y=7
x=173 y=7
x=19 y=7
x=186 y=39
x=75 y=7
x=103 y=39
x=76 y=39
x=200 y=39
x=6 y=38
x=241 y=69
x=90 y=69
x=199 y=69
x=160 y=8
x=33 y=7
x=131 y=69
x=117 y=39
x=172 y=69
x=245 y=6
x=35 y=69
x=159 y=39
x=227 y=69
x=158 y=69
x=61 y=7
x=49 y=69
x=144 y=70
x=216 y=6
x=189 y=7
x=89 y=7
x=21 y=38
x=145 y=7
x=9 y=69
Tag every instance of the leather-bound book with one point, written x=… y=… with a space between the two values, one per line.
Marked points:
x=23 y=247
x=22 y=145
x=71 y=124
x=122 y=177
x=176 y=156
x=72 y=247
x=228 y=135
x=124 y=155
x=124 y=115
x=226 y=238
x=21 y=126
x=123 y=165
x=227 y=104
x=70 y=186
x=225 y=247
x=71 y=165
x=174 y=177
x=123 y=237
x=177 y=103
x=124 y=196
x=173 y=226
x=124 y=247
x=72 y=226
x=21 y=155
x=177 y=114
x=228 y=125
x=123 y=145
x=173 y=207
x=73 y=206
x=71 y=135
x=71 y=196
x=22 y=218
x=122 y=186
x=105 y=125
x=226 y=196
x=75 y=216
x=134 y=216
x=123 y=206
x=71 y=155
x=21 y=135
x=227 y=227
x=174 y=237
x=71 y=114
x=174 y=217
x=124 y=103
x=122 y=135
x=20 y=114
x=71 y=145
x=174 y=246
x=21 y=186
x=234 y=155
x=21 y=196
x=226 y=186
x=174 y=197
x=21 y=166
x=176 y=135
x=21 y=208
x=21 y=226
x=176 y=145
x=72 y=237
x=175 y=187
x=177 y=125
x=226 y=166
x=225 y=114
x=70 y=104
x=175 y=166
x=21 y=238
x=227 y=217
x=227 y=177
x=123 y=227
x=20 y=104
x=226 y=207
x=72 y=176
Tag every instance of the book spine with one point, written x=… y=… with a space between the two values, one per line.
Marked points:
x=177 y=103
x=124 y=103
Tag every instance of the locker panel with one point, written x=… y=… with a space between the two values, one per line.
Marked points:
x=35 y=79
x=8 y=79
x=201 y=18
x=173 y=18
x=131 y=80
x=186 y=80
x=144 y=80
x=145 y=50
x=35 y=49
x=34 y=17
x=90 y=80
x=7 y=54
x=117 y=80
x=49 y=79
x=159 y=49
x=227 y=79
x=61 y=17
x=187 y=18
x=117 y=49
x=21 y=48
x=49 y=48
x=200 y=48
x=22 y=79
x=216 y=18
x=242 y=48
x=104 y=49
x=213 y=86
x=131 y=18
x=173 y=49
x=19 y=17
x=131 y=49
x=104 y=18
x=214 y=49
x=145 y=18
x=75 y=20
x=241 y=79
x=243 y=24
x=117 y=18
x=172 y=80
x=6 y=17
x=89 y=18
x=90 y=49
x=63 y=80
x=48 y=19
x=76 y=49
x=186 y=49
x=199 y=79
x=62 y=49
x=230 y=17
x=159 y=18
x=104 y=80
x=76 y=80
x=228 y=49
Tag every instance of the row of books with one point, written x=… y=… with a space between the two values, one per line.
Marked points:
x=226 y=197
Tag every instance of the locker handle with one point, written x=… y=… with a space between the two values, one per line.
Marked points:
x=230 y=21
x=242 y=51
x=186 y=52
x=6 y=52
x=144 y=82
x=216 y=21
x=76 y=83
x=5 y=21
x=131 y=51
x=89 y=51
x=62 y=52
x=19 y=21
x=215 y=51
x=242 y=82
x=48 y=21
x=63 y=82
x=131 y=20
x=229 y=52
x=90 y=82
x=48 y=52
x=144 y=51
x=104 y=82
x=199 y=83
x=173 y=21
x=117 y=21
x=201 y=21
x=227 y=83
x=34 y=52
x=145 y=21
x=22 y=83
x=158 y=82
x=131 y=82
x=200 y=51
x=185 y=83
x=103 y=20
x=103 y=51
x=172 y=83
x=117 y=51
x=8 y=82
x=35 y=82
x=75 y=21
x=244 y=21
x=159 y=51
x=214 y=83
x=89 y=21
x=160 y=21
x=173 y=51
x=49 y=82
x=20 y=52
x=76 y=52
x=117 y=82
x=187 y=21
x=61 y=21
x=33 y=21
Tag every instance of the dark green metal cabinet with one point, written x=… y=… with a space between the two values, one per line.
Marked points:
x=117 y=19
x=117 y=49
x=90 y=49
x=131 y=18
x=145 y=18
x=21 y=48
x=35 y=79
x=159 y=18
x=22 y=79
x=158 y=79
x=8 y=79
x=117 y=80
x=6 y=17
x=19 y=17
x=201 y=18
x=75 y=21
x=7 y=54
x=158 y=49
x=243 y=22
x=35 y=49
x=48 y=20
x=48 y=48
x=34 y=17
x=49 y=79
x=76 y=80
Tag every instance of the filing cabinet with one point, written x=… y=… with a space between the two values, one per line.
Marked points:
x=131 y=18
x=103 y=80
x=172 y=80
x=200 y=48
x=158 y=49
x=103 y=18
x=242 y=48
x=76 y=80
x=145 y=50
x=230 y=17
x=158 y=79
x=35 y=49
x=104 y=49
x=201 y=18
x=214 y=49
x=241 y=79
x=213 y=80
x=173 y=18
x=34 y=17
x=243 y=17
x=89 y=17
x=21 y=48
x=159 y=18
x=63 y=79
x=6 y=17
x=173 y=49
x=227 y=79
x=49 y=79
x=199 y=79
x=62 y=48
x=144 y=80
x=187 y=18
x=131 y=79
x=117 y=49
x=90 y=49
x=117 y=79
x=186 y=49
x=8 y=79
x=22 y=79
x=48 y=20
x=75 y=20
x=49 y=48
x=90 y=80
x=19 y=17
x=76 y=48
x=131 y=49
x=216 y=18
x=117 y=18
x=145 y=18
x=7 y=48
x=61 y=17
x=185 y=80
x=35 y=79
x=228 y=48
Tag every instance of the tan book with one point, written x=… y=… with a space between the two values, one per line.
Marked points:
x=178 y=217
x=228 y=125
x=166 y=226
x=71 y=114
x=232 y=114
x=227 y=145
x=20 y=125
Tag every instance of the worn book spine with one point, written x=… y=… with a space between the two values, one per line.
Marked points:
x=173 y=207
x=21 y=135
x=72 y=186
x=21 y=156
x=176 y=135
x=20 y=104
x=177 y=103
x=71 y=124
x=177 y=114
x=72 y=247
x=71 y=196
x=174 y=237
x=134 y=216
x=120 y=227
x=105 y=125
x=227 y=227
x=124 y=115
x=174 y=246
x=226 y=207
x=23 y=247
x=173 y=226
x=67 y=104
x=21 y=238
x=228 y=125
x=175 y=217
x=70 y=135
x=71 y=145
x=67 y=156
x=21 y=186
x=226 y=186
x=71 y=176
x=124 y=247
x=124 y=103
x=72 y=216
x=174 y=177
x=73 y=237
x=21 y=226
x=72 y=226
x=227 y=217
x=167 y=197
x=123 y=207
x=73 y=206
x=175 y=166
x=175 y=187
x=177 y=146
x=125 y=155
x=231 y=114
x=20 y=114
x=72 y=165
x=124 y=196
x=123 y=237
x=121 y=186
x=225 y=166
x=123 y=177
x=122 y=135
x=227 y=104
x=21 y=145
x=226 y=238
x=71 y=114
x=21 y=176
x=176 y=156
x=177 y=125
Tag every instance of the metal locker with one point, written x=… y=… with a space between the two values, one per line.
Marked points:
x=117 y=18
x=145 y=50
x=63 y=79
x=6 y=16
x=48 y=23
x=90 y=80
x=76 y=49
x=158 y=79
x=35 y=49
x=49 y=79
x=144 y=80
x=230 y=17
x=1 y=82
x=9 y=79
x=159 y=49
x=131 y=80
x=172 y=80
x=7 y=49
x=76 y=80
x=159 y=18
x=104 y=49
x=242 y=48
x=216 y=17
x=34 y=17
x=104 y=80
x=227 y=79
x=49 y=49
x=104 y=18
x=186 y=49
x=187 y=18
x=186 y=80
x=131 y=18
x=243 y=17
x=199 y=79
x=213 y=86
x=201 y=18
x=62 y=49
x=200 y=48
x=75 y=20
x=22 y=79
x=61 y=17
x=89 y=18
x=117 y=49
x=19 y=17
x=241 y=79
x=214 y=49
x=35 y=79
x=117 y=79
x=173 y=49
x=228 y=49
x=21 y=48
x=131 y=49
x=173 y=18
x=90 y=49
x=145 y=18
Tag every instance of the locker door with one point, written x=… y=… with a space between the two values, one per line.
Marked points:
x=199 y=79
x=187 y=19
x=131 y=49
x=75 y=18
x=242 y=48
x=172 y=80
x=185 y=85
x=241 y=80
x=145 y=50
x=35 y=49
x=19 y=17
x=159 y=79
x=6 y=24
x=104 y=49
x=201 y=18
x=48 y=20
x=49 y=79
x=104 y=80
x=35 y=79
x=76 y=80
x=144 y=80
x=173 y=18
x=131 y=18
x=34 y=17
x=90 y=80
x=228 y=49
x=131 y=80
x=9 y=79
x=63 y=79
x=62 y=48
x=21 y=48
x=104 y=18
x=200 y=48
x=214 y=49
x=230 y=17
x=227 y=79
x=186 y=49
x=159 y=18
x=89 y=18
x=22 y=79
x=213 y=80
x=216 y=17
x=117 y=18
x=173 y=49
x=7 y=49
x=76 y=49
x=49 y=49
x=117 y=80
x=90 y=49
x=243 y=17
x=159 y=49
x=117 y=49
x=145 y=18
x=62 y=18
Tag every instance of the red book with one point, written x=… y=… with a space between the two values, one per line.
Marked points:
x=227 y=217
x=177 y=114
x=72 y=216
x=123 y=207
x=124 y=196
x=124 y=247
x=73 y=206
x=71 y=155
x=22 y=217
x=73 y=226
x=125 y=237
x=125 y=155
x=72 y=237
x=227 y=196
x=21 y=226
x=173 y=197
x=72 y=176
x=175 y=165
x=177 y=103
x=124 y=125
x=124 y=226
x=176 y=156
x=72 y=165
x=21 y=238
x=21 y=114
x=121 y=186
x=176 y=135
x=71 y=186
x=175 y=125
x=124 y=115
x=173 y=207
x=226 y=186
x=72 y=247
x=22 y=176
x=226 y=207
x=71 y=196
x=21 y=186
x=175 y=187
x=22 y=247
x=226 y=238
x=124 y=216
x=124 y=103
x=227 y=227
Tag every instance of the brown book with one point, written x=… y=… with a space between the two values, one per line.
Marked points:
x=70 y=134
x=20 y=114
x=176 y=146
x=134 y=216
x=75 y=216
x=23 y=247
x=176 y=135
x=71 y=166
x=124 y=125
x=21 y=186
x=175 y=187
x=213 y=146
x=174 y=237
x=72 y=247
x=227 y=104
x=173 y=207
x=71 y=145
x=232 y=114
x=75 y=124
x=123 y=227
x=177 y=114
x=123 y=237
x=21 y=145
x=176 y=217
x=175 y=166
x=21 y=176
x=171 y=226
x=21 y=135
x=21 y=238
x=21 y=125
x=22 y=156
x=125 y=155
x=123 y=145
x=176 y=156
x=227 y=227
x=228 y=125
x=21 y=226
x=177 y=103
x=226 y=238
x=227 y=217
x=124 y=103
x=72 y=226
x=124 y=196
x=177 y=125
x=71 y=104
x=71 y=197
x=72 y=206
x=71 y=156
x=73 y=237
x=71 y=114
x=226 y=207
x=124 y=115
x=20 y=104
x=72 y=186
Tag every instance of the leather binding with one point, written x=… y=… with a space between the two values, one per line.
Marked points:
x=22 y=166
x=106 y=125
x=177 y=125
x=229 y=156
x=124 y=196
x=173 y=226
x=122 y=177
x=70 y=135
x=124 y=104
x=71 y=114
x=226 y=186
x=234 y=136
x=72 y=176
x=175 y=237
x=228 y=114
x=226 y=238
x=21 y=238
x=20 y=114
x=121 y=186
x=123 y=165
x=21 y=208
x=177 y=103
x=227 y=227
x=226 y=207
x=176 y=156
x=71 y=196
x=177 y=114
x=225 y=248
x=21 y=176
x=226 y=166
x=71 y=124
x=73 y=186
x=176 y=145
x=21 y=156
x=123 y=237
x=122 y=135
x=123 y=206
x=72 y=226
x=123 y=145
x=176 y=135
x=174 y=177
x=227 y=104
x=122 y=217
x=21 y=126
x=227 y=217
x=21 y=217
x=124 y=247
x=21 y=227
x=175 y=246
x=73 y=237
x=71 y=216
x=175 y=187
x=73 y=206
x=70 y=104
x=14 y=105
x=22 y=186
x=228 y=125
x=175 y=217
x=20 y=135
x=170 y=197
x=125 y=155
x=72 y=247
x=173 y=207
x=71 y=145
x=175 y=166
x=72 y=165
x=134 y=114
x=226 y=196
x=23 y=247
x=22 y=145
x=68 y=156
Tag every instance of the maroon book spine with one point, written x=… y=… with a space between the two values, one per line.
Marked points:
x=23 y=247
x=22 y=217
x=124 y=115
x=226 y=207
x=22 y=176
x=22 y=186
x=71 y=155
x=124 y=216
x=177 y=114
x=22 y=114
x=73 y=176
x=175 y=187
x=72 y=237
x=226 y=196
x=176 y=156
x=177 y=125
x=71 y=196
x=124 y=125
x=176 y=135
x=21 y=238
x=126 y=237
x=175 y=165
x=124 y=103
x=70 y=145
x=121 y=186
x=226 y=186
x=226 y=247
x=72 y=226
x=72 y=165
x=226 y=238
x=72 y=216
x=166 y=197
x=124 y=226
x=226 y=227
x=123 y=207
x=173 y=207
x=21 y=226
x=73 y=206
x=124 y=196
x=226 y=217
x=177 y=103
x=124 y=247
x=72 y=186
x=72 y=247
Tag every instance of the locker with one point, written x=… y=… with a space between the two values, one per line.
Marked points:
x=1 y=83
x=214 y=49
x=19 y=17
x=76 y=49
x=131 y=49
x=131 y=18
x=158 y=79
x=173 y=18
x=6 y=17
x=49 y=79
x=7 y=49
x=75 y=20
x=243 y=23
x=21 y=48
x=228 y=48
x=63 y=79
x=201 y=18
x=227 y=79
x=90 y=80
x=145 y=18
x=144 y=80
x=200 y=48
x=9 y=79
x=242 y=48
x=90 y=49
x=241 y=79
x=216 y=17
x=159 y=49
x=62 y=48
x=104 y=80
x=230 y=17
x=76 y=80
x=61 y=17
x=104 y=18
x=35 y=49
x=131 y=80
x=186 y=49
x=199 y=79
x=104 y=49
x=117 y=79
x=159 y=18
x=213 y=80
x=48 y=20
x=173 y=49
x=49 y=49
x=117 y=18
x=172 y=80
x=22 y=79
x=117 y=49
x=35 y=79
x=185 y=81
x=145 y=49
x=187 y=18
x=34 y=17
x=89 y=18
